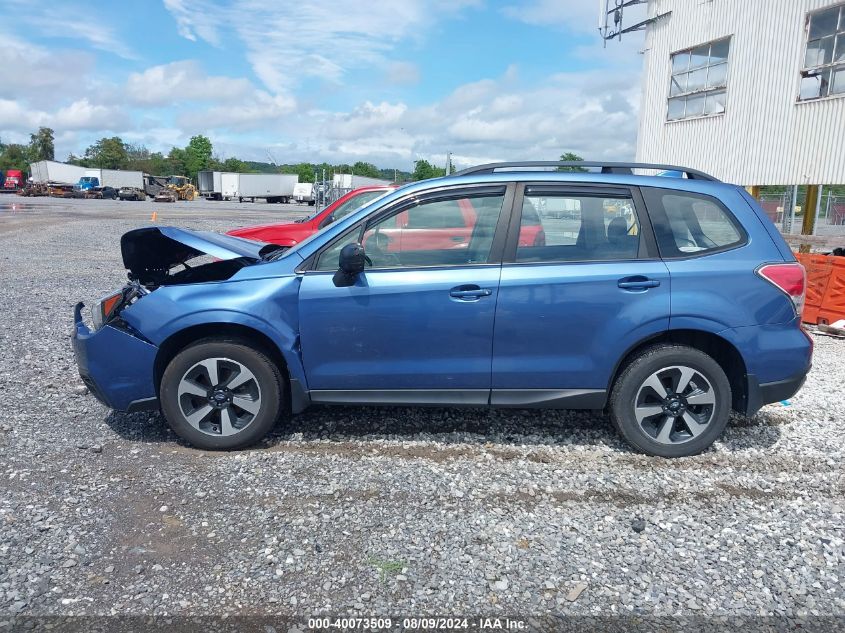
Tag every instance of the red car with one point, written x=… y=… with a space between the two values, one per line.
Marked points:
x=447 y=226
x=294 y=232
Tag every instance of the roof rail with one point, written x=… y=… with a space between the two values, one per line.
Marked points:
x=606 y=168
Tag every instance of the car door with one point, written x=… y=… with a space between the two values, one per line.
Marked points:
x=417 y=324
x=571 y=305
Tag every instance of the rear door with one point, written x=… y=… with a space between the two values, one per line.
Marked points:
x=573 y=303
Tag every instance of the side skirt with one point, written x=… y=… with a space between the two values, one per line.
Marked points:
x=505 y=398
x=402 y=397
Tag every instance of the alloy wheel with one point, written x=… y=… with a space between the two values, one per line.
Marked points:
x=219 y=396
x=675 y=404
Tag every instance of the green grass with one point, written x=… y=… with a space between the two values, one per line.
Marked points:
x=386 y=567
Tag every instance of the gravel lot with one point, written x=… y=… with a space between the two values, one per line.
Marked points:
x=382 y=511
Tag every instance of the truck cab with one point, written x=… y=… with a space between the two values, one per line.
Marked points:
x=86 y=183
x=13 y=180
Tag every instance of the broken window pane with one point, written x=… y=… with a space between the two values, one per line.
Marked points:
x=695 y=105
x=815 y=85
x=695 y=71
x=676 y=109
x=699 y=56
x=714 y=103
x=697 y=80
x=678 y=85
x=719 y=51
x=819 y=52
x=717 y=75
x=824 y=23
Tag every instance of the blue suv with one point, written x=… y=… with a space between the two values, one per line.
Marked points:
x=668 y=302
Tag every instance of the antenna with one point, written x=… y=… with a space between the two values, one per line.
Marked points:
x=613 y=28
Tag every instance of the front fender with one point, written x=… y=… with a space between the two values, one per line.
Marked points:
x=269 y=306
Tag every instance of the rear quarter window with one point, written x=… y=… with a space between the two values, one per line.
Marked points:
x=689 y=224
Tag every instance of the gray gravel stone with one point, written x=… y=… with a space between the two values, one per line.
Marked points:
x=425 y=510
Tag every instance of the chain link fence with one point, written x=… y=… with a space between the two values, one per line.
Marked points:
x=787 y=208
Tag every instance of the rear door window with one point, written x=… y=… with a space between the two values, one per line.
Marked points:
x=559 y=226
x=689 y=224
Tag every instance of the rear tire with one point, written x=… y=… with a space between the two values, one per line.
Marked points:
x=671 y=401
x=221 y=394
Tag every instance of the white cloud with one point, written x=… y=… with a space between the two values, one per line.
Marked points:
x=78 y=21
x=287 y=42
x=79 y=115
x=31 y=71
x=181 y=81
x=594 y=115
x=403 y=73
x=260 y=109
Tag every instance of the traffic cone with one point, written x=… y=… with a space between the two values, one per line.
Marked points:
x=154 y=217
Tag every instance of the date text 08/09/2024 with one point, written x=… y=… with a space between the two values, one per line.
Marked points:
x=422 y=623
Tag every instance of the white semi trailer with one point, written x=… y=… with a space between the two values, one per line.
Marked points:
x=54 y=171
x=209 y=184
x=351 y=181
x=216 y=185
x=271 y=187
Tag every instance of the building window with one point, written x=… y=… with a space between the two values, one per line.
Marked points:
x=824 y=60
x=699 y=80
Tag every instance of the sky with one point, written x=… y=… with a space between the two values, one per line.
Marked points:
x=333 y=80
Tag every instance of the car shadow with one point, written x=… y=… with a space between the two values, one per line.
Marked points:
x=449 y=426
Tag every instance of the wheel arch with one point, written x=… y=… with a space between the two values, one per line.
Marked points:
x=179 y=340
x=718 y=348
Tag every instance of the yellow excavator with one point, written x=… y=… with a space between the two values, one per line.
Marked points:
x=177 y=188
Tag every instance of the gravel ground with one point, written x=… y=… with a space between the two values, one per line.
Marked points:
x=383 y=511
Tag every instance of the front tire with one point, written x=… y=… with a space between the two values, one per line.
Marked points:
x=671 y=401
x=221 y=394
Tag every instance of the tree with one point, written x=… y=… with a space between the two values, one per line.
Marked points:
x=14 y=156
x=108 y=153
x=198 y=154
x=176 y=162
x=234 y=164
x=571 y=157
x=41 y=145
x=365 y=169
x=424 y=170
x=158 y=165
x=305 y=171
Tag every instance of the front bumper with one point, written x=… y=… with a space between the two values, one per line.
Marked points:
x=117 y=366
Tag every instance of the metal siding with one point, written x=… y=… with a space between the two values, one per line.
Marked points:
x=766 y=136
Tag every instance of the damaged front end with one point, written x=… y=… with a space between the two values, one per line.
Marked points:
x=115 y=360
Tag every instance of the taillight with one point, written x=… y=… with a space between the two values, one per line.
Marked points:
x=789 y=278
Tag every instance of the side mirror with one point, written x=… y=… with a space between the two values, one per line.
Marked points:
x=350 y=265
x=326 y=221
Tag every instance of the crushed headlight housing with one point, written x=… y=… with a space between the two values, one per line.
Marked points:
x=105 y=309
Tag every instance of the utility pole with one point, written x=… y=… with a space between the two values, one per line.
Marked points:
x=448 y=163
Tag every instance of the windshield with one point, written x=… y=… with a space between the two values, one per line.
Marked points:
x=356 y=203
x=346 y=208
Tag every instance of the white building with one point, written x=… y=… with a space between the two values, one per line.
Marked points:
x=750 y=91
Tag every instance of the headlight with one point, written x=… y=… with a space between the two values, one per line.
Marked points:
x=105 y=308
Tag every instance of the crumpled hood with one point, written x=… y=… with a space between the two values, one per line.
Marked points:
x=157 y=248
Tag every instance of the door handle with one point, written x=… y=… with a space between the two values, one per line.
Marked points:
x=469 y=292
x=638 y=283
